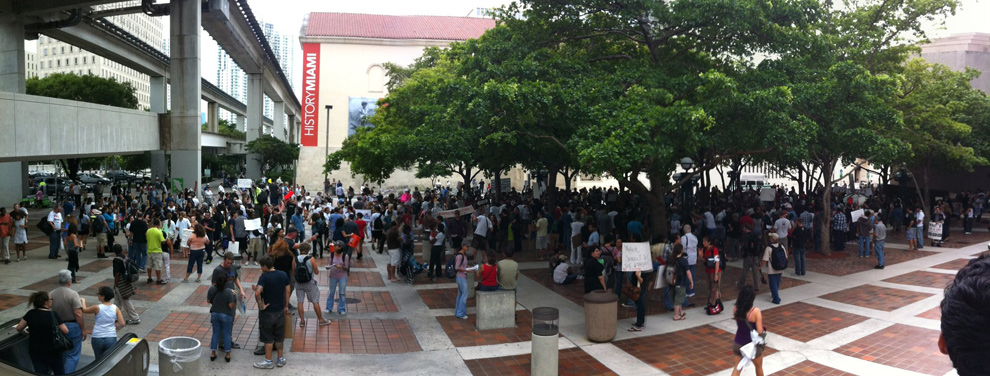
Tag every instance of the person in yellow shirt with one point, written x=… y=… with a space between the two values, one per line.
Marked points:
x=155 y=259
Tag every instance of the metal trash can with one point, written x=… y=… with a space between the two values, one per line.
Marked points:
x=179 y=356
x=601 y=313
x=545 y=342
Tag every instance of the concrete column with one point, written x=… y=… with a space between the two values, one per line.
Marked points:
x=255 y=113
x=212 y=116
x=157 y=94
x=159 y=167
x=14 y=185
x=292 y=130
x=186 y=19
x=241 y=122
x=278 y=120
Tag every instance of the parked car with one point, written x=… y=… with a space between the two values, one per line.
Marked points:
x=120 y=176
x=53 y=185
x=91 y=179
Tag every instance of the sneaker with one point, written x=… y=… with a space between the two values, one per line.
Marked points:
x=255 y=263
x=260 y=350
x=343 y=313
x=149 y=280
x=235 y=345
x=880 y=267
x=133 y=322
x=324 y=323
x=627 y=305
x=463 y=317
x=690 y=295
x=265 y=364
x=280 y=362
x=161 y=282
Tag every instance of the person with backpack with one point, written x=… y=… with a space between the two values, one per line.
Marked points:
x=776 y=256
x=339 y=266
x=751 y=254
x=683 y=280
x=98 y=223
x=461 y=265
x=124 y=271
x=713 y=268
x=306 y=288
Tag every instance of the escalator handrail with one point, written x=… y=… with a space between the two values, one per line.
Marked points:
x=121 y=342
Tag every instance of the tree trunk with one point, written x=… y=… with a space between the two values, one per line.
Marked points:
x=551 y=190
x=827 y=208
x=656 y=205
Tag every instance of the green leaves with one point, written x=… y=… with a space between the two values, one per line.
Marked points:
x=88 y=88
x=273 y=154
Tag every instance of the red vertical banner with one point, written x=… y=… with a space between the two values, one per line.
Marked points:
x=311 y=95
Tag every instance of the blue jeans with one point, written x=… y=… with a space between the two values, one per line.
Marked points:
x=774 y=286
x=818 y=239
x=880 y=255
x=340 y=285
x=55 y=242
x=799 y=265
x=462 y=295
x=641 y=309
x=864 y=245
x=139 y=252
x=196 y=257
x=921 y=237
x=71 y=357
x=690 y=291
x=223 y=324
x=102 y=345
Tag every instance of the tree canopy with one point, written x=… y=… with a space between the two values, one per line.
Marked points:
x=274 y=155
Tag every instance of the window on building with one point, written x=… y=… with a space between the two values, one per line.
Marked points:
x=75 y=61
x=376 y=79
x=59 y=63
x=63 y=49
x=46 y=52
x=84 y=59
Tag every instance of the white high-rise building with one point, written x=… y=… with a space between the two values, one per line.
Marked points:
x=54 y=56
x=232 y=80
x=30 y=65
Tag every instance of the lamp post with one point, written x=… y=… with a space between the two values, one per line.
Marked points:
x=688 y=188
x=326 y=140
x=902 y=177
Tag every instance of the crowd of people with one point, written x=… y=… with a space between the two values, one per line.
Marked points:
x=286 y=229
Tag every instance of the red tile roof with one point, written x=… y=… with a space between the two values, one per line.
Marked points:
x=396 y=27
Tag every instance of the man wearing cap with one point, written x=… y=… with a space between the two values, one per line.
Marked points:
x=233 y=272
x=99 y=225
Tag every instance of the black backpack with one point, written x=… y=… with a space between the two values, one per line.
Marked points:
x=131 y=271
x=44 y=226
x=378 y=224
x=303 y=275
x=97 y=223
x=778 y=258
x=451 y=270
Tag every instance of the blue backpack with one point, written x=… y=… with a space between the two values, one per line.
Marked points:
x=778 y=258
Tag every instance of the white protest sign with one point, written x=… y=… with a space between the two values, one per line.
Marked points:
x=252 y=224
x=467 y=210
x=856 y=214
x=935 y=231
x=244 y=183
x=184 y=242
x=768 y=194
x=364 y=212
x=636 y=256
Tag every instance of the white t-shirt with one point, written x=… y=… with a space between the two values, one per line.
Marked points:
x=709 y=219
x=690 y=243
x=55 y=219
x=440 y=238
x=921 y=219
x=483 y=226
x=560 y=272
x=782 y=227
x=576 y=228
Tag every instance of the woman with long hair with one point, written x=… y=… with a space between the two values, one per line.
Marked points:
x=72 y=247
x=713 y=268
x=487 y=274
x=747 y=318
x=41 y=319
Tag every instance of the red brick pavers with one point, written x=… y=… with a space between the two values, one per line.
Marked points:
x=933 y=314
x=695 y=351
x=370 y=302
x=463 y=333
x=198 y=325
x=47 y=284
x=96 y=266
x=573 y=361
x=8 y=301
x=902 y=346
x=875 y=297
x=198 y=298
x=809 y=368
x=355 y=279
x=805 y=322
x=441 y=298
x=924 y=279
x=149 y=292
x=953 y=265
x=356 y=337
x=90 y=318
x=847 y=262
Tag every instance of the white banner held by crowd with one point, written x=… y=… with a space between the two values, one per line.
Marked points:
x=252 y=224
x=856 y=214
x=244 y=183
x=636 y=256
x=467 y=210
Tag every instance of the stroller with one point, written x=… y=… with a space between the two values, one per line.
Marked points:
x=409 y=267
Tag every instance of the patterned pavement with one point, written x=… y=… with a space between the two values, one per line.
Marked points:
x=842 y=318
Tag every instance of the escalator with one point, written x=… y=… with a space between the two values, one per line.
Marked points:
x=129 y=356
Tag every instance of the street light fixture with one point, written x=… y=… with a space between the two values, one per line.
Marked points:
x=687 y=163
x=326 y=140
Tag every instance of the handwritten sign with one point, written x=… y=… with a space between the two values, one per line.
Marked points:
x=935 y=231
x=252 y=224
x=636 y=256
x=467 y=210
x=856 y=214
x=767 y=194
x=244 y=183
x=184 y=238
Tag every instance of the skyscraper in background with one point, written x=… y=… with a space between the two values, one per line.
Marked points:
x=231 y=79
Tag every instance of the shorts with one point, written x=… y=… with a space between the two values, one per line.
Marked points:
x=242 y=244
x=272 y=325
x=156 y=261
x=308 y=291
x=679 y=293
x=394 y=257
x=736 y=350
x=541 y=242
x=256 y=247
x=911 y=234
x=479 y=242
x=101 y=240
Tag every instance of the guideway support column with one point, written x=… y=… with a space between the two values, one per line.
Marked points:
x=255 y=111
x=186 y=19
x=14 y=185
x=159 y=167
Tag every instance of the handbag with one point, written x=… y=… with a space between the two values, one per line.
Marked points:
x=631 y=291
x=716 y=307
x=62 y=343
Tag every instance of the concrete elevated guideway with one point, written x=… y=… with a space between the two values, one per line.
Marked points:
x=74 y=21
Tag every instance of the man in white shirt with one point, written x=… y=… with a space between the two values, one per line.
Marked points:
x=482 y=228
x=782 y=226
x=55 y=239
x=690 y=243
x=576 y=240
x=921 y=227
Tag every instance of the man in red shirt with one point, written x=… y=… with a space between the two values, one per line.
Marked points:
x=362 y=230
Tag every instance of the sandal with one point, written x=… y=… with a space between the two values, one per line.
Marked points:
x=635 y=329
x=681 y=318
x=302 y=323
x=227 y=358
x=213 y=356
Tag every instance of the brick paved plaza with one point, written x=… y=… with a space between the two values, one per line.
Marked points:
x=842 y=318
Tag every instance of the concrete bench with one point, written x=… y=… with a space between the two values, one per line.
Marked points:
x=496 y=309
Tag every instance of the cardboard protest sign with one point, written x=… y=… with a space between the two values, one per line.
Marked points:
x=636 y=256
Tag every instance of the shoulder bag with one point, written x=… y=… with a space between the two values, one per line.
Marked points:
x=62 y=343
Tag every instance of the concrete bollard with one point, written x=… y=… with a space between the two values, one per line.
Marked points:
x=470 y=283
x=545 y=341
x=600 y=314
